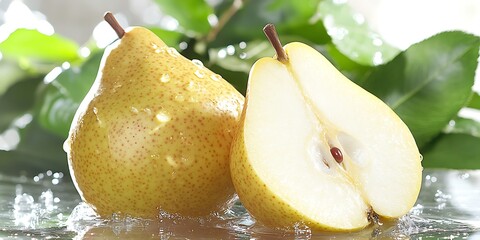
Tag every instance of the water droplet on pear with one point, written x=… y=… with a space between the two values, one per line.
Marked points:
x=147 y=111
x=162 y=117
x=134 y=110
x=66 y=145
x=165 y=78
x=173 y=52
x=215 y=77
x=179 y=98
x=197 y=63
x=199 y=74
x=95 y=111
x=190 y=86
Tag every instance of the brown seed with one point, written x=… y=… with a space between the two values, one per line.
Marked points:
x=337 y=154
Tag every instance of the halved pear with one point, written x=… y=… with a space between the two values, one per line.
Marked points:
x=298 y=113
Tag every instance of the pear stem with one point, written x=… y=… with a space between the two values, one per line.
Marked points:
x=272 y=36
x=110 y=19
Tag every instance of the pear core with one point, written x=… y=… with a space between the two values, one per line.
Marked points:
x=283 y=166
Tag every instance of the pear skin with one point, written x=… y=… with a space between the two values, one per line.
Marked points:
x=154 y=133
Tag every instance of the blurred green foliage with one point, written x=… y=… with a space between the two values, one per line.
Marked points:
x=427 y=84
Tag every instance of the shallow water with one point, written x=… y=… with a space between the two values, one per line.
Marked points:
x=48 y=207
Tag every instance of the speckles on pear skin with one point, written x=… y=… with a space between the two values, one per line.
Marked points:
x=161 y=147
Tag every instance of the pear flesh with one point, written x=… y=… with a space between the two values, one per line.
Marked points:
x=154 y=133
x=282 y=167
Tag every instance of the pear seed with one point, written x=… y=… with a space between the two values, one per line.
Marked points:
x=165 y=78
x=337 y=154
x=197 y=63
x=199 y=74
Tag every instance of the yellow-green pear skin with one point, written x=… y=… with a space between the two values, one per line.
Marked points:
x=283 y=169
x=154 y=133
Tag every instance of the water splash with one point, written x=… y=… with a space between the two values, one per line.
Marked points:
x=35 y=200
x=25 y=211
x=81 y=219
x=302 y=231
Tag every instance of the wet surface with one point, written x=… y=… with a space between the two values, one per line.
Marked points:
x=47 y=206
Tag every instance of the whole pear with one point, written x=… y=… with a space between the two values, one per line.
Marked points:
x=154 y=132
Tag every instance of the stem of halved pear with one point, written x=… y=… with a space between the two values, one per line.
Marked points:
x=110 y=19
x=272 y=36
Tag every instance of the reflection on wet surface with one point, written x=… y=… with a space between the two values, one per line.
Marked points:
x=47 y=206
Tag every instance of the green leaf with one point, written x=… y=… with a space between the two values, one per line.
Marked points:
x=463 y=125
x=454 y=151
x=171 y=38
x=428 y=83
x=31 y=44
x=474 y=101
x=59 y=99
x=37 y=151
x=351 y=69
x=17 y=100
x=192 y=15
x=11 y=73
x=291 y=18
x=352 y=36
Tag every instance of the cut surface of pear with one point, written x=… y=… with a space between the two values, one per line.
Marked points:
x=154 y=133
x=282 y=167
